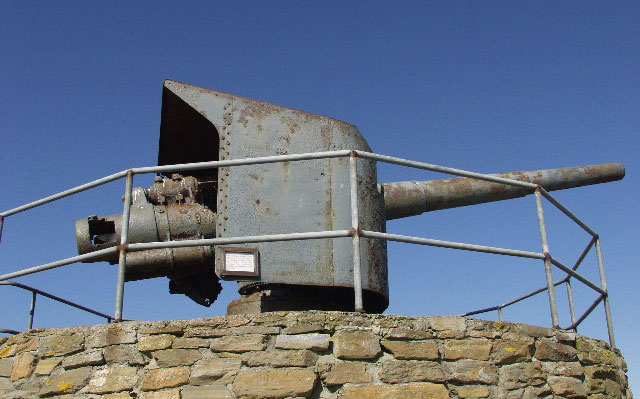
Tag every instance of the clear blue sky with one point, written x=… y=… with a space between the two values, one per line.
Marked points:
x=483 y=86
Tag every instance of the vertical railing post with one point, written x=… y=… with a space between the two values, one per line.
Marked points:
x=1 y=223
x=547 y=260
x=355 y=229
x=571 y=309
x=603 y=283
x=500 y=314
x=32 y=309
x=124 y=240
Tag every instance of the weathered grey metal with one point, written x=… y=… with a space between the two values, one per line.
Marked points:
x=605 y=294
x=124 y=240
x=547 y=260
x=412 y=198
x=355 y=228
x=272 y=198
x=32 y=310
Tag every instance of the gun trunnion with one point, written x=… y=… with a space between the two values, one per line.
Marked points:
x=199 y=125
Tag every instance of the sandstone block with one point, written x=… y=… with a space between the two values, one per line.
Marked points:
x=161 y=328
x=190 y=343
x=211 y=370
x=113 y=379
x=206 y=332
x=281 y=358
x=22 y=366
x=168 y=394
x=123 y=354
x=266 y=330
x=119 y=395
x=471 y=372
x=519 y=375
x=528 y=331
x=356 y=345
x=7 y=351
x=567 y=369
x=165 y=378
x=592 y=352
x=66 y=382
x=401 y=371
x=421 y=350
x=317 y=342
x=29 y=344
x=5 y=367
x=412 y=391
x=155 y=342
x=45 y=366
x=239 y=343
x=274 y=383
x=176 y=357
x=57 y=345
x=448 y=326
x=550 y=350
x=302 y=328
x=477 y=391
x=347 y=372
x=567 y=387
x=83 y=359
x=505 y=352
x=407 y=333
x=467 y=349
x=113 y=334
x=207 y=392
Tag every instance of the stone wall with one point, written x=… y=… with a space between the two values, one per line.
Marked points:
x=310 y=355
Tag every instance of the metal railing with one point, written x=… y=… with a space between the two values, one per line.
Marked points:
x=355 y=232
x=32 y=307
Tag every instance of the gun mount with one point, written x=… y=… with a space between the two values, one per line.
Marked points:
x=199 y=125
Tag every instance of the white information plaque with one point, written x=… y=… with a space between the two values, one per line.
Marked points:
x=242 y=262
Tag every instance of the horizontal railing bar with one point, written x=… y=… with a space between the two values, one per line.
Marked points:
x=567 y=212
x=58 y=263
x=452 y=244
x=576 y=275
x=522 y=298
x=7 y=331
x=443 y=169
x=56 y=298
x=243 y=161
x=65 y=193
x=587 y=313
x=239 y=240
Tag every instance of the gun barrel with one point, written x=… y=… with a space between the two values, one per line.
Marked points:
x=410 y=198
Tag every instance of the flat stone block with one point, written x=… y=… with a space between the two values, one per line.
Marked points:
x=168 y=394
x=239 y=343
x=356 y=345
x=83 y=359
x=210 y=370
x=420 y=350
x=58 y=345
x=274 y=383
x=46 y=366
x=66 y=382
x=113 y=379
x=567 y=387
x=317 y=342
x=401 y=371
x=155 y=342
x=506 y=352
x=467 y=349
x=207 y=392
x=123 y=354
x=412 y=391
x=177 y=357
x=471 y=372
x=554 y=351
x=281 y=358
x=22 y=366
x=347 y=372
x=165 y=378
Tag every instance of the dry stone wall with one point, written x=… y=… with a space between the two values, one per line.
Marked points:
x=310 y=355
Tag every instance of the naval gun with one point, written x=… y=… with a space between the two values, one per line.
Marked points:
x=200 y=125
